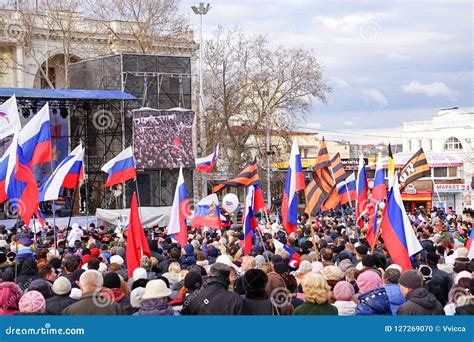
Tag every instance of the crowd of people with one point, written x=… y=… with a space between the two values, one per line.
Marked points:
x=163 y=142
x=85 y=272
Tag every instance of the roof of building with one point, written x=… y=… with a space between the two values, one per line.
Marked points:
x=66 y=94
x=434 y=160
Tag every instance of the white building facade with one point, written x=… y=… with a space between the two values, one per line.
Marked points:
x=449 y=135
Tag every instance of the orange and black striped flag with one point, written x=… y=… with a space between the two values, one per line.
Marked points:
x=248 y=177
x=417 y=167
x=338 y=169
x=322 y=184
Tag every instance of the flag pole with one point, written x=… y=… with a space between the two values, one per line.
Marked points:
x=313 y=236
x=70 y=217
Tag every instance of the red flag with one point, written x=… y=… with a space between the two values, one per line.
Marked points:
x=137 y=245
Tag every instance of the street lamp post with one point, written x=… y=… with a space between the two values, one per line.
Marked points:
x=202 y=10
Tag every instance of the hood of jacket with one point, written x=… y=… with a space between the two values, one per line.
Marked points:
x=29 y=267
x=156 y=306
x=423 y=298
x=394 y=294
x=113 y=294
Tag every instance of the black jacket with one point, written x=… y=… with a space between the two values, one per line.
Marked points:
x=420 y=302
x=466 y=310
x=439 y=285
x=28 y=273
x=55 y=305
x=213 y=299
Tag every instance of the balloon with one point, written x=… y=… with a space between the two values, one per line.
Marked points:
x=230 y=202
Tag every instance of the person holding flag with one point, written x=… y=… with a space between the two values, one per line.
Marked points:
x=249 y=221
x=294 y=183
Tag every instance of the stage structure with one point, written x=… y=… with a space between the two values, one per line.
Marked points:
x=159 y=82
x=72 y=114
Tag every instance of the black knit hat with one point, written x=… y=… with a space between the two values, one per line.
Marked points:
x=255 y=281
x=411 y=279
x=112 y=280
x=192 y=281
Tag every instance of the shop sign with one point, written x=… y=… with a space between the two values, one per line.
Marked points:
x=410 y=189
x=452 y=187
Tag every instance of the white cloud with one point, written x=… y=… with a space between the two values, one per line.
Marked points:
x=338 y=82
x=375 y=96
x=429 y=89
x=399 y=57
x=348 y=123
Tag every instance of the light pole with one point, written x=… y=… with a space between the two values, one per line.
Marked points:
x=202 y=10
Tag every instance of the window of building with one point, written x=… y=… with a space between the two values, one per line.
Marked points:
x=452 y=172
x=409 y=145
x=440 y=172
x=453 y=143
x=430 y=142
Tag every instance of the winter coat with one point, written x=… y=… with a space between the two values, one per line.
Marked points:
x=188 y=258
x=314 y=309
x=86 y=306
x=28 y=273
x=258 y=307
x=395 y=297
x=275 y=281
x=213 y=299
x=10 y=295
x=56 y=304
x=345 y=308
x=439 y=285
x=155 y=307
x=420 y=302
x=374 y=302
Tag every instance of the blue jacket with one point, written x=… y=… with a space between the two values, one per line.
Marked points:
x=395 y=297
x=374 y=302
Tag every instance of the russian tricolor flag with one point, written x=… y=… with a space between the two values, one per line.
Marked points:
x=362 y=186
x=206 y=164
x=35 y=138
x=294 y=183
x=207 y=213
x=67 y=175
x=295 y=258
x=379 y=194
x=249 y=221
x=121 y=168
x=3 y=175
x=9 y=118
x=397 y=231
x=347 y=190
x=20 y=184
x=180 y=211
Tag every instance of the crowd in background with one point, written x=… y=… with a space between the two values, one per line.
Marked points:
x=85 y=273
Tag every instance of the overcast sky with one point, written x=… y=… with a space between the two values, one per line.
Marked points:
x=387 y=61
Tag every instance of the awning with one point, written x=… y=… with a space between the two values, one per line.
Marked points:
x=65 y=94
x=420 y=195
x=305 y=163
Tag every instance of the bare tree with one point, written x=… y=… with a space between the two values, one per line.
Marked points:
x=252 y=87
x=142 y=25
